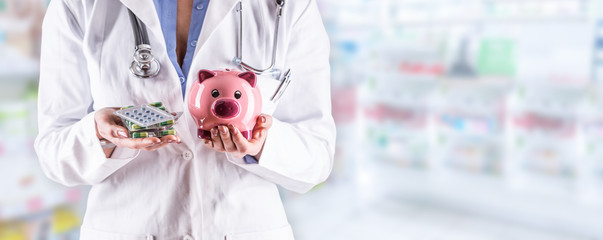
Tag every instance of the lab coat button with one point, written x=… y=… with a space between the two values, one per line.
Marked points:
x=182 y=79
x=194 y=43
x=188 y=237
x=187 y=155
x=200 y=7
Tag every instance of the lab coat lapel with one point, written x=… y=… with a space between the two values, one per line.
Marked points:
x=217 y=11
x=145 y=10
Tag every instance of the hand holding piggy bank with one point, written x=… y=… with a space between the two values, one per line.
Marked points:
x=222 y=98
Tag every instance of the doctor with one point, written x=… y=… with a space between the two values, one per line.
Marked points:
x=182 y=187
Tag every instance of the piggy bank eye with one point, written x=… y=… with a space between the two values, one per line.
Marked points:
x=237 y=94
x=215 y=93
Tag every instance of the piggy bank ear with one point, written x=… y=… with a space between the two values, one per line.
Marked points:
x=205 y=74
x=249 y=77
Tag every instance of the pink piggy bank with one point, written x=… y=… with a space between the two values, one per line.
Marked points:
x=222 y=98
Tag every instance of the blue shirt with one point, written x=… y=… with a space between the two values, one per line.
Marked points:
x=167 y=11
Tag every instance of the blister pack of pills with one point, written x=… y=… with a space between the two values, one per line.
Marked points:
x=148 y=120
x=144 y=115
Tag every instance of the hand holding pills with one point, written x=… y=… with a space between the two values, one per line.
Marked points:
x=110 y=128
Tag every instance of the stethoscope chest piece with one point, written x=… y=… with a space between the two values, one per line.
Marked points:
x=144 y=65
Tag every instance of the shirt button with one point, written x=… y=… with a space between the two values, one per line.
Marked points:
x=194 y=43
x=200 y=7
x=187 y=155
x=182 y=79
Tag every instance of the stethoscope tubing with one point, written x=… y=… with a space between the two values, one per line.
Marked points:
x=279 y=12
x=141 y=37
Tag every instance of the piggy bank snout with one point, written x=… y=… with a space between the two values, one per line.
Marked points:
x=226 y=108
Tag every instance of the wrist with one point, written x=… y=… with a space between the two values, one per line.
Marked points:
x=249 y=159
x=259 y=154
x=96 y=130
x=108 y=151
x=106 y=143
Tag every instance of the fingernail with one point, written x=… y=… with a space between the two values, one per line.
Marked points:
x=263 y=119
x=223 y=129
x=170 y=141
x=236 y=131
x=214 y=132
x=122 y=134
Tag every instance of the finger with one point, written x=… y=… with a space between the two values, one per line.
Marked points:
x=108 y=129
x=170 y=139
x=119 y=131
x=156 y=146
x=259 y=136
x=239 y=141
x=103 y=120
x=111 y=132
x=229 y=146
x=264 y=121
x=216 y=141
x=208 y=143
x=140 y=143
x=115 y=134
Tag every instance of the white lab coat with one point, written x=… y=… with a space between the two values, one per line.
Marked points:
x=183 y=191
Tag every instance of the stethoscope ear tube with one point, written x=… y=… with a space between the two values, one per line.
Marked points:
x=144 y=64
x=239 y=58
x=140 y=30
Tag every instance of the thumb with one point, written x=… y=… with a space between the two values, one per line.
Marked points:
x=264 y=121
x=119 y=132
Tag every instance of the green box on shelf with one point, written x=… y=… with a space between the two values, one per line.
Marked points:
x=497 y=57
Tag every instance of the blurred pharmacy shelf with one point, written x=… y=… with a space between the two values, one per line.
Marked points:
x=360 y=13
x=419 y=209
x=31 y=206
x=490 y=108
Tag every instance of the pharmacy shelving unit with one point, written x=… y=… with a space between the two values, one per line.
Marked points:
x=502 y=135
x=31 y=206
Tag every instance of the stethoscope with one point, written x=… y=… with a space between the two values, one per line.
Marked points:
x=145 y=65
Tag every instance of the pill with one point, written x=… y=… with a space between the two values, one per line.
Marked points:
x=149 y=117
x=168 y=122
x=140 y=135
